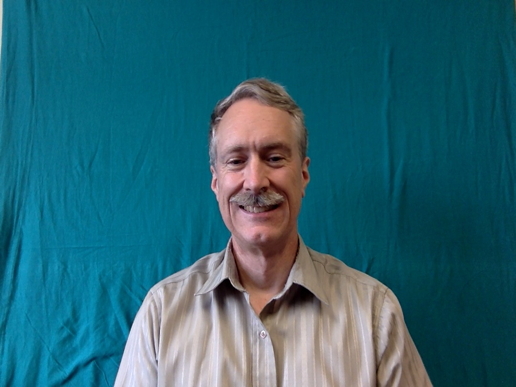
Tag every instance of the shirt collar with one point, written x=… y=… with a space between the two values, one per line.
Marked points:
x=226 y=270
x=303 y=273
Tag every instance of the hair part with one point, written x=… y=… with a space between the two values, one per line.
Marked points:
x=267 y=93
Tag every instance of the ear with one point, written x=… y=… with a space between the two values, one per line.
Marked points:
x=305 y=175
x=214 y=181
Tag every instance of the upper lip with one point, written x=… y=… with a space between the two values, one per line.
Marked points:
x=258 y=209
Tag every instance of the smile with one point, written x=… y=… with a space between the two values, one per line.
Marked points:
x=258 y=209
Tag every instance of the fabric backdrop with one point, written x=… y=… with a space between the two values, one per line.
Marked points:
x=104 y=178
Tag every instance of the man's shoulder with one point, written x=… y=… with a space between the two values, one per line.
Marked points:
x=198 y=272
x=328 y=265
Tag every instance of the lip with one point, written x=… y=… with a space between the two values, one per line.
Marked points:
x=259 y=214
x=258 y=209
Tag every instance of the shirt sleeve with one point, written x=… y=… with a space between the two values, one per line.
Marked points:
x=398 y=361
x=139 y=366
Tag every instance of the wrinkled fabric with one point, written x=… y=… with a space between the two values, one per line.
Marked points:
x=330 y=326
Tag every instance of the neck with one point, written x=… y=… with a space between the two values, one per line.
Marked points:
x=263 y=273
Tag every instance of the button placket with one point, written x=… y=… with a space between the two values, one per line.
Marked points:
x=264 y=360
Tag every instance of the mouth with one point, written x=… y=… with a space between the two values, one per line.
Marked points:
x=258 y=209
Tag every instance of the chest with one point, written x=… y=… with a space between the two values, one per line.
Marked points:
x=301 y=343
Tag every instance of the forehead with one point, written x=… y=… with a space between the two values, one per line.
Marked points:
x=250 y=122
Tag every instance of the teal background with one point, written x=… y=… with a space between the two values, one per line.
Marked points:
x=104 y=178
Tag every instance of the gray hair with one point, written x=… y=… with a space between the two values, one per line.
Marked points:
x=267 y=93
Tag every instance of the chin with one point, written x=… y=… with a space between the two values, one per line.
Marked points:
x=257 y=238
x=262 y=237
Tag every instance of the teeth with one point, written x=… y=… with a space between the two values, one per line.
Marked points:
x=256 y=210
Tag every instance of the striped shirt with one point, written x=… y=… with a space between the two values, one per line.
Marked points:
x=330 y=326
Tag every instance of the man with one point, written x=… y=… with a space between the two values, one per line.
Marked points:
x=267 y=311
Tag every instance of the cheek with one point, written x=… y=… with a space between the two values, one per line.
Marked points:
x=228 y=186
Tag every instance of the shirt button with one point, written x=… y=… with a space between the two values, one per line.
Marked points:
x=263 y=334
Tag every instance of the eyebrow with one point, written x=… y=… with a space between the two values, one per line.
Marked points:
x=278 y=146
x=266 y=148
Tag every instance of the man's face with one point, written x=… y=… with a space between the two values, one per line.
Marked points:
x=257 y=152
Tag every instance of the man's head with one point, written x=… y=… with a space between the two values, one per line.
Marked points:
x=258 y=164
x=267 y=93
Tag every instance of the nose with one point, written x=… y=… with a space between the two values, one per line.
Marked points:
x=256 y=176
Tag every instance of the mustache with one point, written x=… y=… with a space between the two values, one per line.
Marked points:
x=263 y=199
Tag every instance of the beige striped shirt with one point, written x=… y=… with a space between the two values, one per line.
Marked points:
x=330 y=326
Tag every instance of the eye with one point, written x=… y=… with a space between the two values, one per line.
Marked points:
x=276 y=159
x=234 y=162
